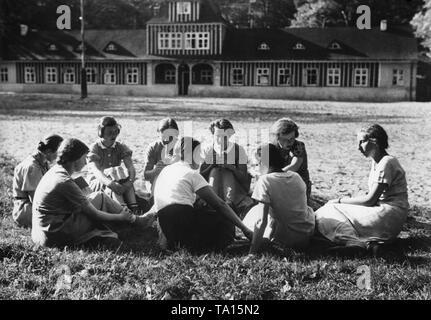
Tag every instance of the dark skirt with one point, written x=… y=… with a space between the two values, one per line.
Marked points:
x=196 y=230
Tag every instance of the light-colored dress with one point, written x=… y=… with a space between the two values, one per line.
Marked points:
x=355 y=224
x=26 y=177
x=291 y=222
x=106 y=157
x=223 y=181
x=58 y=219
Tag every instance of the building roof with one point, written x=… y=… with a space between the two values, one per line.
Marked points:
x=354 y=44
x=239 y=44
x=209 y=12
x=131 y=45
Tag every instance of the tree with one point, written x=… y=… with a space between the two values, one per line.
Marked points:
x=319 y=13
x=264 y=13
x=422 y=24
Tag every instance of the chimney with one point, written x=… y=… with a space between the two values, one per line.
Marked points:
x=23 y=29
x=383 y=25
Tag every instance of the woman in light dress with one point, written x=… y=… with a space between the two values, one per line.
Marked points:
x=365 y=221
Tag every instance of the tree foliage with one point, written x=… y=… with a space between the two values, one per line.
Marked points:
x=422 y=24
x=129 y=14
x=322 y=13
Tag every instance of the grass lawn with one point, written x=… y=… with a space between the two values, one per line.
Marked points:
x=140 y=271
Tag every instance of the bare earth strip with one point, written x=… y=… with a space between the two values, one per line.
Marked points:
x=328 y=129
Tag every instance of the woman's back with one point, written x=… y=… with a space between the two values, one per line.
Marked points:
x=286 y=194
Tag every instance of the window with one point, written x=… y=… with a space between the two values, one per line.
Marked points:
x=132 y=76
x=52 y=47
x=398 y=77
x=111 y=47
x=334 y=77
x=237 y=77
x=299 y=46
x=335 y=46
x=184 y=8
x=109 y=76
x=263 y=46
x=206 y=76
x=361 y=77
x=284 y=77
x=262 y=76
x=91 y=75
x=176 y=39
x=311 y=76
x=170 y=76
x=170 y=40
x=197 y=40
x=29 y=75
x=4 y=75
x=51 y=75
x=79 y=48
x=69 y=76
x=163 y=40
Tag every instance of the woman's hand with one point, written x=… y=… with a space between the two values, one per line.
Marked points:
x=334 y=201
x=127 y=216
x=116 y=187
x=248 y=233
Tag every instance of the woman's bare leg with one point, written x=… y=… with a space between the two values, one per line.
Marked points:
x=102 y=202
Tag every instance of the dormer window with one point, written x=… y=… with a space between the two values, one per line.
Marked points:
x=78 y=48
x=299 y=46
x=111 y=47
x=52 y=47
x=184 y=8
x=334 y=46
x=264 y=47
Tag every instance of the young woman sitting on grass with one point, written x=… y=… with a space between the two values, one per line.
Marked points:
x=107 y=153
x=282 y=214
x=174 y=197
x=285 y=133
x=63 y=215
x=225 y=167
x=364 y=221
x=27 y=175
x=159 y=154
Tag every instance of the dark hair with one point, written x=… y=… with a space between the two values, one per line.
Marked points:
x=284 y=126
x=107 y=122
x=221 y=124
x=51 y=142
x=378 y=134
x=271 y=157
x=167 y=123
x=71 y=150
x=185 y=148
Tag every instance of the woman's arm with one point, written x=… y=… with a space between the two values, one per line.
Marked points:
x=98 y=215
x=294 y=165
x=130 y=167
x=369 y=200
x=98 y=173
x=260 y=227
x=206 y=168
x=208 y=194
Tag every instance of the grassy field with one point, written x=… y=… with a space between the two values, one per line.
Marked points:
x=140 y=271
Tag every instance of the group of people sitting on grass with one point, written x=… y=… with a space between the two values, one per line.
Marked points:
x=200 y=194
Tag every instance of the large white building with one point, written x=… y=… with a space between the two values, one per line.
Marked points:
x=188 y=49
